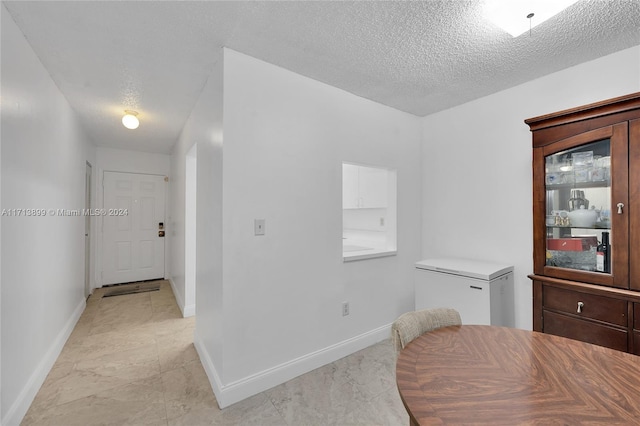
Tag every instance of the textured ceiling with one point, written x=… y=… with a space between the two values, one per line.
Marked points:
x=417 y=56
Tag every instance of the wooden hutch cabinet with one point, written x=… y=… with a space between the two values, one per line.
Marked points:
x=586 y=189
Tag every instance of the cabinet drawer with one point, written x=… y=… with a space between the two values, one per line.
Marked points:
x=584 y=330
x=601 y=308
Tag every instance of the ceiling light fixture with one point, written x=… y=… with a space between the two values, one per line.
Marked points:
x=515 y=17
x=130 y=119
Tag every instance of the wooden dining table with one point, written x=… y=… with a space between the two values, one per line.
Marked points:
x=477 y=374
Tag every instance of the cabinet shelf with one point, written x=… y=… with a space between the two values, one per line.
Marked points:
x=578 y=185
x=596 y=228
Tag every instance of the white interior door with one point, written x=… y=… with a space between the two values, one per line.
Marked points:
x=87 y=232
x=133 y=227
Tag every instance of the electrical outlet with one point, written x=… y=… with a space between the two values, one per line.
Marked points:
x=258 y=225
x=345 y=309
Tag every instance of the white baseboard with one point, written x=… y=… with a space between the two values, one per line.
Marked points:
x=189 y=311
x=209 y=368
x=19 y=408
x=177 y=295
x=227 y=394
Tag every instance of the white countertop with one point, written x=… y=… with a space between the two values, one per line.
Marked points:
x=360 y=244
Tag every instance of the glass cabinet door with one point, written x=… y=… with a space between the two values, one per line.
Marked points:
x=578 y=200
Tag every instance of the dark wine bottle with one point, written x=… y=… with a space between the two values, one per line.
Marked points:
x=603 y=255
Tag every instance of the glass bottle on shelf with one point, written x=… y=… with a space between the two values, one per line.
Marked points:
x=603 y=254
x=578 y=196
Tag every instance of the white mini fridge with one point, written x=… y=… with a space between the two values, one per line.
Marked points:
x=482 y=292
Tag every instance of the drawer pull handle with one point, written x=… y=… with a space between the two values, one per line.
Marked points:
x=580 y=306
x=475 y=287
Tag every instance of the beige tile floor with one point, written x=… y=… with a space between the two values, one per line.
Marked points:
x=131 y=361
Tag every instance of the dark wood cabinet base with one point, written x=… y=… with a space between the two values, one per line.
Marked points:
x=608 y=317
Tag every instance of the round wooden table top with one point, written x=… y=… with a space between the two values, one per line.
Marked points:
x=475 y=374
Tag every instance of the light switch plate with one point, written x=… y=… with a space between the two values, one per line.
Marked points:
x=258 y=225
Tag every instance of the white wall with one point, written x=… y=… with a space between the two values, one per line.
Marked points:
x=176 y=235
x=190 y=231
x=476 y=184
x=202 y=133
x=201 y=138
x=2 y=12
x=183 y=210
x=43 y=157
x=285 y=138
x=364 y=219
x=205 y=130
x=120 y=160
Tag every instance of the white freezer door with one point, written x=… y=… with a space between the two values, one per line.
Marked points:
x=470 y=297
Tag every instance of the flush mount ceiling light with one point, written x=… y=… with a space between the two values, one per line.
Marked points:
x=517 y=17
x=130 y=119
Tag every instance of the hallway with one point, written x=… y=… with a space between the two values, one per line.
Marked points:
x=131 y=361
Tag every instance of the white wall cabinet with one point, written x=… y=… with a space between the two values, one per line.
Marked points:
x=350 y=196
x=481 y=292
x=364 y=187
